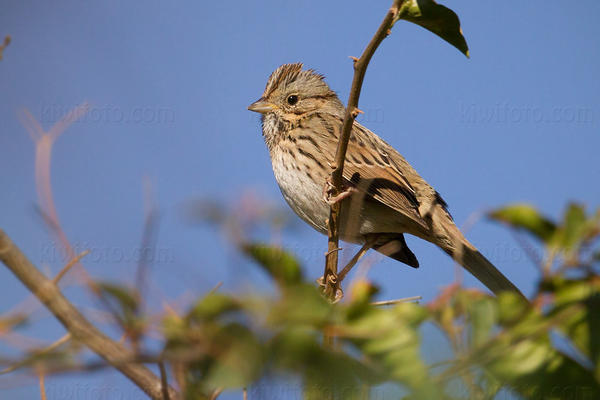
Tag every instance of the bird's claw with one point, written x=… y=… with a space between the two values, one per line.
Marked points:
x=335 y=199
x=328 y=191
x=339 y=294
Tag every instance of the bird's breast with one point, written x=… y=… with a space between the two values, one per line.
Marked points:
x=301 y=186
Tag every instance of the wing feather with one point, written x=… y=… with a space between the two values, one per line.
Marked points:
x=374 y=167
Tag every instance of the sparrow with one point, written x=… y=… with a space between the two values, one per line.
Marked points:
x=301 y=125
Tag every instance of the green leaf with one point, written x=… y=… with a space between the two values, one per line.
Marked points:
x=511 y=308
x=322 y=370
x=301 y=304
x=127 y=298
x=212 y=306
x=280 y=264
x=239 y=358
x=390 y=339
x=524 y=216
x=435 y=18
x=361 y=294
x=483 y=316
x=576 y=229
x=580 y=301
x=523 y=358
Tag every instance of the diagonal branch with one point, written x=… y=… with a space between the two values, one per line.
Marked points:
x=330 y=278
x=79 y=327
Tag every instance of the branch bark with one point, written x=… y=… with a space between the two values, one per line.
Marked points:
x=330 y=278
x=79 y=327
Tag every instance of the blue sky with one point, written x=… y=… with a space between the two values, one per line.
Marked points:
x=169 y=84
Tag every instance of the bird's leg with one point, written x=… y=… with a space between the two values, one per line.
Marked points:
x=328 y=191
x=359 y=254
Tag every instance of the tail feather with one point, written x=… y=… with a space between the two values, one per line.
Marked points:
x=451 y=240
x=479 y=266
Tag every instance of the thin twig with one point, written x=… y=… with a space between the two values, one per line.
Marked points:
x=75 y=323
x=56 y=280
x=63 y=339
x=216 y=287
x=3 y=45
x=164 y=380
x=59 y=367
x=44 y=141
x=178 y=370
x=535 y=258
x=69 y=265
x=397 y=301
x=42 y=387
x=148 y=241
x=352 y=111
x=216 y=394
x=36 y=354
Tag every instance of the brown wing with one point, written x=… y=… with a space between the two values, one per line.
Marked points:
x=375 y=167
x=372 y=165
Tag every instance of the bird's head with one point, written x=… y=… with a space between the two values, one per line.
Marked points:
x=292 y=92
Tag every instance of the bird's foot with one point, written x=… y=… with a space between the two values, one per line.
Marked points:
x=328 y=191
x=339 y=294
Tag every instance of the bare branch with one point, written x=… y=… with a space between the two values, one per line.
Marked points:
x=397 y=301
x=164 y=382
x=75 y=323
x=352 y=111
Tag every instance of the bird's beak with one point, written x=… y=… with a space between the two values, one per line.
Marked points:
x=261 y=106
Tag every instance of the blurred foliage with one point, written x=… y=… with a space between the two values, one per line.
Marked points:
x=548 y=348
x=124 y=304
x=281 y=265
x=489 y=347
x=247 y=215
x=571 y=242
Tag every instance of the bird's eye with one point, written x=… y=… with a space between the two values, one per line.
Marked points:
x=293 y=99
